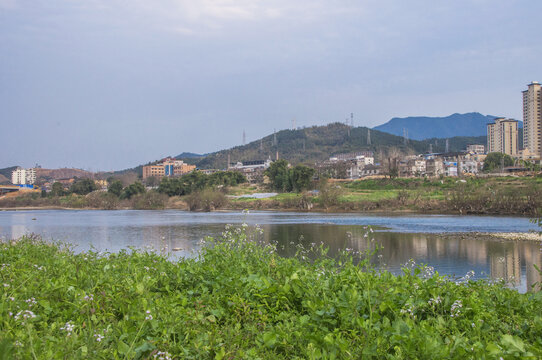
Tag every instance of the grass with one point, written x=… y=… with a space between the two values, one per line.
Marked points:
x=369 y=195
x=240 y=300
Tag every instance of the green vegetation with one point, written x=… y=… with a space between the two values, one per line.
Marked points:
x=197 y=181
x=496 y=161
x=471 y=195
x=286 y=179
x=132 y=189
x=240 y=300
x=115 y=187
x=83 y=186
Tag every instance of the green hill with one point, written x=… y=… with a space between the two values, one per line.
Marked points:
x=318 y=143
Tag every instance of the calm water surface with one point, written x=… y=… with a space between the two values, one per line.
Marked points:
x=404 y=237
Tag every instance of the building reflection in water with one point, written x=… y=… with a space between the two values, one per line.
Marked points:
x=452 y=255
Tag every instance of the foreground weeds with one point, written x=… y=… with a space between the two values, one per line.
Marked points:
x=240 y=300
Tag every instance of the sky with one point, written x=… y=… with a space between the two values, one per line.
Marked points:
x=110 y=84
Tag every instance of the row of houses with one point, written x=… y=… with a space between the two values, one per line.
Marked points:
x=362 y=164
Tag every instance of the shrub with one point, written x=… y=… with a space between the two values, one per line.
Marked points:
x=151 y=200
x=206 y=200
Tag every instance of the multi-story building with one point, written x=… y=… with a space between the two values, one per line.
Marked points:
x=476 y=149
x=502 y=136
x=532 y=118
x=22 y=176
x=168 y=167
x=253 y=170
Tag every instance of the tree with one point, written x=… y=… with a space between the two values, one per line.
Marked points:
x=278 y=175
x=83 y=186
x=115 y=188
x=300 y=177
x=57 y=189
x=132 y=189
x=497 y=160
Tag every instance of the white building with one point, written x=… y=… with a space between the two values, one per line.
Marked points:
x=22 y=176
x=355 y=170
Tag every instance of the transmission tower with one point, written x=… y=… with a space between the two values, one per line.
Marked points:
x=368 y=136
x=244 y=138
x=405 y=136
x=352 y=119
x=447 y=146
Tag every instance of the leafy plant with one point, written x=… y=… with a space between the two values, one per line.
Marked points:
x=239 y=299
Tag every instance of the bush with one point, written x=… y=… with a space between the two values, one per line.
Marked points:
x=132 y=189
x=329 y=194
x=206 y=200
x=103 y=200
x=151 y=200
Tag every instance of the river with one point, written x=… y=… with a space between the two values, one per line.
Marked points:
x=402 y=237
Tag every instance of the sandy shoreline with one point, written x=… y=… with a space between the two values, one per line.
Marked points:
x=498 y=236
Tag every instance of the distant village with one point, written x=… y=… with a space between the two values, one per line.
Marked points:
x=502 y=137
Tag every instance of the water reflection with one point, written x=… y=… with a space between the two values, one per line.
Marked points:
x=452 y=254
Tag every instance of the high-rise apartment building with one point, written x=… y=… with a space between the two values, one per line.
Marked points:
x=502 y=136
x=532 y=118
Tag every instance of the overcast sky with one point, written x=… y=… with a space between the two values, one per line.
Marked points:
x=110 y=84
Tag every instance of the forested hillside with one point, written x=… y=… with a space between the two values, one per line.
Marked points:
x=318 y=143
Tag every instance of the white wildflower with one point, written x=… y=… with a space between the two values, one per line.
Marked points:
x=25 y=314
x=435 y=301
x=31 y=302
x=455 y=310
x=162 y=355
x=68 y=328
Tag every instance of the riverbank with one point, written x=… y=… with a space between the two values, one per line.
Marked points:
x=240 y=300
x=478 y=196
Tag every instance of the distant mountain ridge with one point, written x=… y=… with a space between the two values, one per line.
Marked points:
x=425 y=127
x=189 y=155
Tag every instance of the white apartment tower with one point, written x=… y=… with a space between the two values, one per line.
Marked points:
x=502 y=136
x=532 y=118
x=23 y=176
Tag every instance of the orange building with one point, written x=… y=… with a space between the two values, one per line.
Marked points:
x=168 y=167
